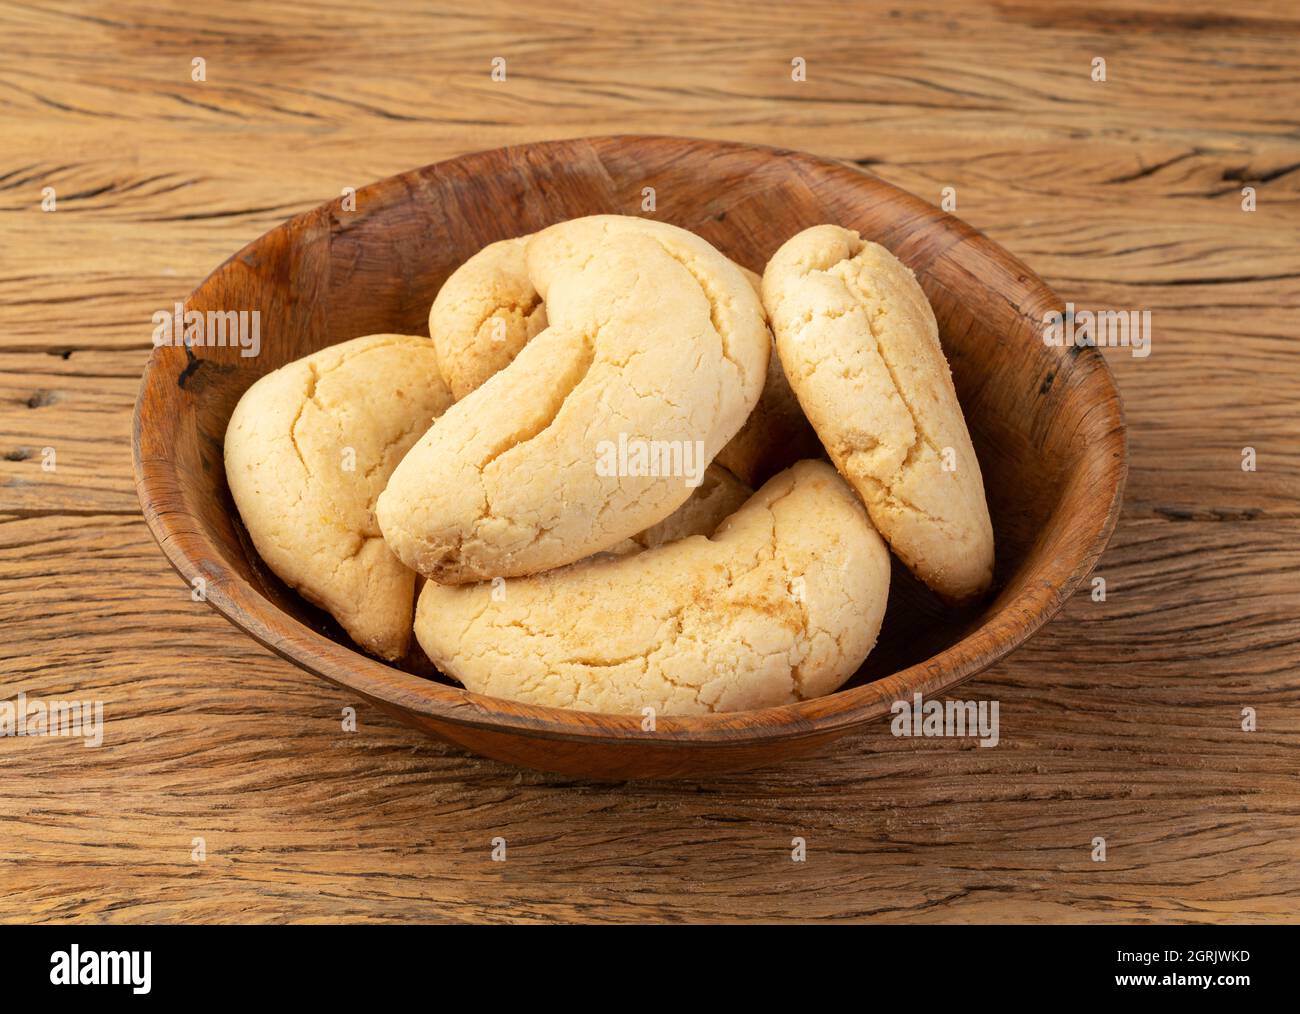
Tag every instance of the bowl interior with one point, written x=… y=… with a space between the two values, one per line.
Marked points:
x=1045 y=422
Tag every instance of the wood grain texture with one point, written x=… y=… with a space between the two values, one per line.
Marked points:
x=1120 y=719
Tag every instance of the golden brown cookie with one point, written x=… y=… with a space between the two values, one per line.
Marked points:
x=484 y=314
x=781 y=604
x=602 y=425
x=308 y=449
x=488 y=310
x=859 y=342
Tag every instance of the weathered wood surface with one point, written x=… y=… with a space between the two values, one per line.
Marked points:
x=1121 y=719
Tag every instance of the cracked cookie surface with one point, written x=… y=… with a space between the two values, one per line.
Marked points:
x=654 y=336
x=488 y=309
x=782 y=603
x=717 y=497
x=484 y=314
x=859 y=343
x=308 y=449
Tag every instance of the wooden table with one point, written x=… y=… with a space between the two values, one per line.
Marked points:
x=1121 y=720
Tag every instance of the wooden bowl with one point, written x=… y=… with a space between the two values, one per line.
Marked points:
x=1046 y=422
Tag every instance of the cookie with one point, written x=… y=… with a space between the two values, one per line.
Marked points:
x=781 y=604
x=601 y=426
x=488 y=309
x=858 y=340
x=308 y=449
x=484 y=314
